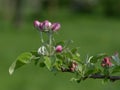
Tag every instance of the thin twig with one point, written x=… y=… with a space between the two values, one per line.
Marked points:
x=98 y=76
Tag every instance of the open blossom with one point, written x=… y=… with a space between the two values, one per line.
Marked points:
x=42 y=50
x=106 y=62
x=59 y=48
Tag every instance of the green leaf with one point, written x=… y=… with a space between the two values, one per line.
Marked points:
x=74 y=50
x=67 y=43
x=36 y=57
x=75 y=80
x=75 y=57
x=90 y=69
x=36 y=60
x=79 y=68
x=42 y=64
x=115 y=69
x=21 y=60
x=94 y=59
x=67 y=54
x=116 y=59
x=59 y=56
x=58 y=64
x=47 y=62
x=77 y=54
x=35 y=53
x=25 y=57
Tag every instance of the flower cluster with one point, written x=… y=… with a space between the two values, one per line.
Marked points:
x=47 y=48
x=46 y=26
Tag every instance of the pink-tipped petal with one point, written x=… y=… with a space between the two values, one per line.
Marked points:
x=106 y=62
x=55 y=26
x=41 y=27
x=46 y=25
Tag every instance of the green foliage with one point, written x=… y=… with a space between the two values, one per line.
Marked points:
x=23 y=59
x=116 y=59
x=94 y=59
x=48 y=62
x=116 y=69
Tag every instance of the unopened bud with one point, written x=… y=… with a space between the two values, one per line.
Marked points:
x=41 y=26
x=59 y=48
x=55 y=26
x=36 y=24
x=46 y=25
x=106 y=62
x=74 y=64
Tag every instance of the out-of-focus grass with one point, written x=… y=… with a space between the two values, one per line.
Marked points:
x=92 y=35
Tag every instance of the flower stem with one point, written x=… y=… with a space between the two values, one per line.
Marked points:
x=50 y=42
x=41 y=37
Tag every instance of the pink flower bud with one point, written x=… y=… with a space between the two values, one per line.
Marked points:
x=59 y=48
x=55 y=26
x=36 y=24
x=74 y=64
x=106 y=62
x=46 y=25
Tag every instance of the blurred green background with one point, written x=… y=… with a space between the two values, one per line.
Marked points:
x=94 y=25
